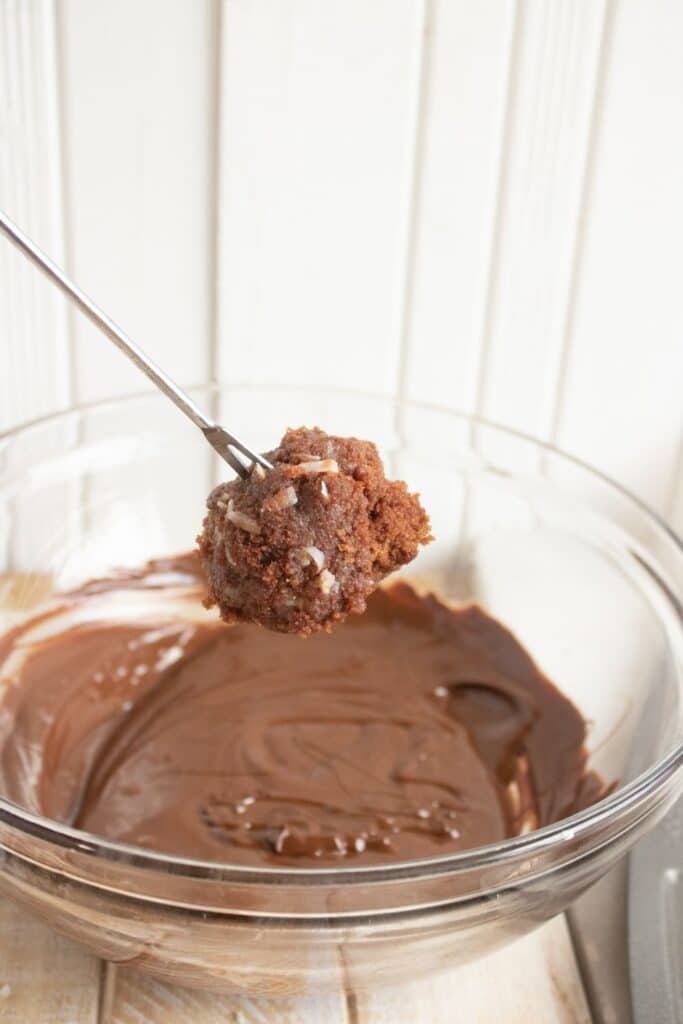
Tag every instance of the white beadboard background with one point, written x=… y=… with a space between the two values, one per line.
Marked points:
x=474 y=203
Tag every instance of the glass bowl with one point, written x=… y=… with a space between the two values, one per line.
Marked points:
x=585 y=575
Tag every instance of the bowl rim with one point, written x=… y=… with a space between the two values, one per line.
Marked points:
x=620 y=801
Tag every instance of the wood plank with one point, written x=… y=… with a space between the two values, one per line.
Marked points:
x=535 y=979
x=315 y=169
x=139 y=999
x=599 y=925
x=622 y=405
x=138 y=83
x=459 y=162
x=34 y=355
x=44 y=977
x=550 y=101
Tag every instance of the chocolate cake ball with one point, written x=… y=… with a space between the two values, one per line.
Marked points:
x=301 y=546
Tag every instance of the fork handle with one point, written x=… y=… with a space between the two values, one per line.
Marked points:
x=101 y=320
x=126 y=345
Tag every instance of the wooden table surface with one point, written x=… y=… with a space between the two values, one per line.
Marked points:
x=46 y=979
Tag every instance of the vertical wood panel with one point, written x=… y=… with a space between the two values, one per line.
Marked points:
x=551 y=97
x=34 y=364
x=410 y=212
x=316 y=151
x=526 y=295
x=465 y=99
x=622 y=406
x=138 y=108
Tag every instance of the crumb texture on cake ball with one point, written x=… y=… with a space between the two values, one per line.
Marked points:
x=301 y=546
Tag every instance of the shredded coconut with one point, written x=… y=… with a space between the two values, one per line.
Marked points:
x=240 y=519
x=284 y=498
x=327 y=581
x=316 y=556
x=319 y=466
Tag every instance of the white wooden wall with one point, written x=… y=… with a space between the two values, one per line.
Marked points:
x=475 y=203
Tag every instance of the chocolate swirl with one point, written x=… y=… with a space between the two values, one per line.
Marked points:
x=412 y=731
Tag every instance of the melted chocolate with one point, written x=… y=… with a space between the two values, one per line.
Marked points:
x=412 y=731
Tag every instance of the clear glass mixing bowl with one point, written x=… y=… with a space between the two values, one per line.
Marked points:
x=586 y=576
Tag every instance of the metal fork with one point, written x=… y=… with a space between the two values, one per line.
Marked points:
x=221 y=440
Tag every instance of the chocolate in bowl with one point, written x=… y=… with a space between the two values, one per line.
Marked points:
x=415 y=730
x=585 y=577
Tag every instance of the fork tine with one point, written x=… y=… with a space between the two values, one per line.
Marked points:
x=224 y=443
